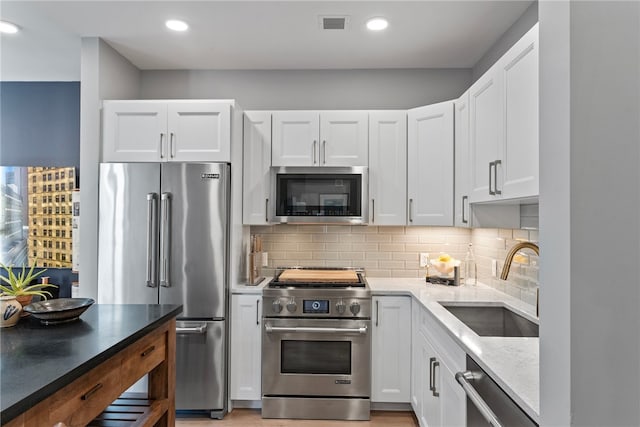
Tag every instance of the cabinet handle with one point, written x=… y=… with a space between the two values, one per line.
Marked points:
x=410 y=210
x=148 y=351
x=495 y=176
x=464 y=221
x=314 y=151
x=172 y=146
x=435 y=365
x=377 y=311
x=91 y=392
x=161 y=146
x=266 y=210
x=373 y=210
x=431 y=360
x=257 y=312
x=491 y=192
x=324 y=152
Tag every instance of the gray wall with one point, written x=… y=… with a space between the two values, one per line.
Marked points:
x=311 y=89
x=590 y=213
x=40 y=123
x=508 y=39
x=105 y=75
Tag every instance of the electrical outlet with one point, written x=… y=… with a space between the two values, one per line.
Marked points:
x=424 y=259
x=494 y=268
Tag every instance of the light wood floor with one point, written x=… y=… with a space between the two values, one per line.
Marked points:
x=252 y=418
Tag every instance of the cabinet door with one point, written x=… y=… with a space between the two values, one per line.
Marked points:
x=485 y=121
x=519 y=68
x=295 y=138
x=256 y=162
x=453 y=405
x=134 y=131
x=388 y=168
x=430 y=165
x=431 y=413
x=391 y=350
x=199 y=131
x=246 y=347
x=344 y=138
x=461 y=199
x=416 y=360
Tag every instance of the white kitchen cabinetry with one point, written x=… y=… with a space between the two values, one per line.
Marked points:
x=160 y=131
x=256 y=182
x=461 y=134
x=326 y=138
x=436 y=397
x=430 y=165
x=388 y=167
x=519 y=75
x=503 y=107
x=246 y=347
x=391 y=349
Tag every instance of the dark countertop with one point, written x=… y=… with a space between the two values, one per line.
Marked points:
x=38 y=360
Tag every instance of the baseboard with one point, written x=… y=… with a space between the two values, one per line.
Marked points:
x=384 y=406
x=246 y=404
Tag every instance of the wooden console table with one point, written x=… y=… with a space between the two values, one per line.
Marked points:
x=75 y=373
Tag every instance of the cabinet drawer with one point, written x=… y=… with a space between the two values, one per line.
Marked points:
x=85 y=398
x=142 y=356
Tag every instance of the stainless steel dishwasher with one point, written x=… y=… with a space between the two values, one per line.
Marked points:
x=487 y=403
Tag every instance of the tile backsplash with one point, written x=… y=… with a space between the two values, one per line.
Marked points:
x=394 y=251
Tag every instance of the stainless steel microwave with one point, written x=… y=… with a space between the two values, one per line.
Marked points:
x=316 y=195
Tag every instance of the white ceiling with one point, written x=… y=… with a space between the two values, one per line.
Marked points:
x=251 y=34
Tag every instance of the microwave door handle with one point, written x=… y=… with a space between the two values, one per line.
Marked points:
x=165 y=240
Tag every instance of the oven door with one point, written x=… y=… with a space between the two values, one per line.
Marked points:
x=316 y=357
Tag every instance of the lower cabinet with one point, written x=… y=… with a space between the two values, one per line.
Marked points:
x=436 y=397
x=246 y=351
x=391 y=349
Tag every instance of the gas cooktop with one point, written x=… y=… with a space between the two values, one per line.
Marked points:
x=318 y=278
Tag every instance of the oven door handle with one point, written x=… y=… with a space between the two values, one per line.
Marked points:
x=269 y=328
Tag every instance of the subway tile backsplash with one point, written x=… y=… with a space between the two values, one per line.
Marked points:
x=394 y=251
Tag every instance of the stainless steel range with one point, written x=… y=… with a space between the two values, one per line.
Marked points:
x=316 y=345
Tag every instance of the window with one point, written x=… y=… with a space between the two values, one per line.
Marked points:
x=35 y=242
x=49 y=187
x=50 y=210
x=64 y=233
x=50 y=221
x=34 y=200
x=57 y=221
x=44 y=188
x=35 y=222
x=57 y=233
x=50 y=255
x=62 y=174
x=62 y=187
x=64 y=245
x=64 y=257
x=57 y=175
x=33 y=179
x=57 y=187
x=63 y=198
x=57 y=198
x=34 y=189
x=64 y=210
x=57 y=210
x=50 y=233
x=44 y=264
x=35 y=254
x=48 y=177
x=64 y=222
x=49 y=199
x=33 y=211
x=35 y=233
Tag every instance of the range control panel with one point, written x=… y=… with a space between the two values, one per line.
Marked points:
x=295 y=306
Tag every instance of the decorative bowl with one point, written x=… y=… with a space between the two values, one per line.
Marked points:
x=59 y=310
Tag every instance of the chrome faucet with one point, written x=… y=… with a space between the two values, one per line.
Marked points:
x=509 y=259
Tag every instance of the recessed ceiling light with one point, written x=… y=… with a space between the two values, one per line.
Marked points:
x=8 y=27
x=377 y=24
x=176 y=25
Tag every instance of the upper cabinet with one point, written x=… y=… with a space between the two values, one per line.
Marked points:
x=256 y=164
x=461 y=182
x=327 y=138
x=161 y=131
x=387 y=167
x=503 y=106
x=430 y=165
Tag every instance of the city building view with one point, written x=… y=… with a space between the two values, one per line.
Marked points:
x=35 y=216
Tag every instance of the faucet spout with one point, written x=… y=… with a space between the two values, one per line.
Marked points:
x=509 y=259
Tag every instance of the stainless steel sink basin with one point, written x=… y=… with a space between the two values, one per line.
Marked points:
x=493 y=320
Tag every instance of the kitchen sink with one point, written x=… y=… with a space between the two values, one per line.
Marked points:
x=493 y=320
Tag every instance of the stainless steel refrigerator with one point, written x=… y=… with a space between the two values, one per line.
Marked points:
x=163 y=238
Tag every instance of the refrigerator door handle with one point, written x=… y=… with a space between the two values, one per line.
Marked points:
x=201 y=329
x=165 y=240
x=152 y=240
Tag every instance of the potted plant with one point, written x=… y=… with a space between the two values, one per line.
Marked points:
x=20 y=285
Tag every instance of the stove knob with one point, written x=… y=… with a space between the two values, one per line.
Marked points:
x=341 y=307
x=355 y=308
x=292 y=306
x=277 y=306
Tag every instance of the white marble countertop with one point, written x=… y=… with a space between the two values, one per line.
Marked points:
x=512 y=362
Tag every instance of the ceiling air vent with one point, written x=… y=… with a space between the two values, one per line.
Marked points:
x=334 y=22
